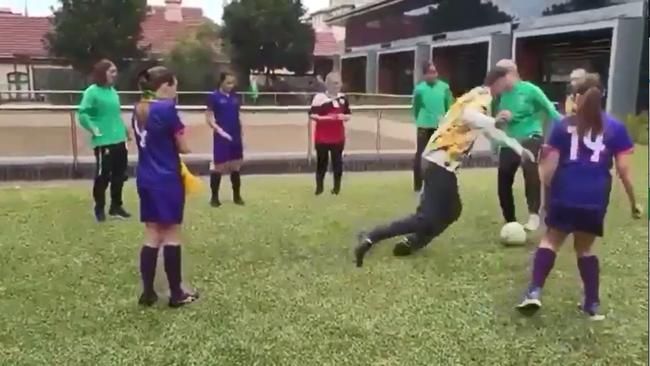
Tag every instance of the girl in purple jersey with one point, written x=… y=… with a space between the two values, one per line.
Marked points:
x=160 y=140
x=577 y=181
x=222 y=115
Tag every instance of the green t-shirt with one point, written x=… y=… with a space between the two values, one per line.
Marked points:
x=430 y=103
x=254 y=90
x=100 y=109
x=529 y=107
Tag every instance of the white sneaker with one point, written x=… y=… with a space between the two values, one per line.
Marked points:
x=533 y=223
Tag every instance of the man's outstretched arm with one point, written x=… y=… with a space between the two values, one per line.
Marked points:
x=486 y=125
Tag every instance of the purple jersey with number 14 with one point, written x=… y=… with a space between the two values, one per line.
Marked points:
x=583 y=179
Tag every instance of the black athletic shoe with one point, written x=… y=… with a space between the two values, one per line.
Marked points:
x=319 y=190
x=403 y=249
x=100 y=215
x=118 y=212
x=148 y=299
x=215 y=203
x=363 y=246
x=186 y=298
x=336 y=191
x=239 y=201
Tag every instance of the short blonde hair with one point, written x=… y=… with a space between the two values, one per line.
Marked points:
x=578 y=74
x=333 y=76
x=508 y=64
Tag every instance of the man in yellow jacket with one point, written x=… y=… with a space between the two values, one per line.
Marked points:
x=440 y=205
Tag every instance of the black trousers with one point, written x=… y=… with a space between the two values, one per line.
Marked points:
x=111 y=162
x=423 y=136
x=323 y=154
x=509 y=163
x=440 y=206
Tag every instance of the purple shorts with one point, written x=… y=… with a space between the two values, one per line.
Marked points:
x=571 y=219
x=162 y=205
x=225 y=151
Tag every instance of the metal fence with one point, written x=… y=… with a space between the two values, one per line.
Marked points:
x=70 y=97
x=51 y=133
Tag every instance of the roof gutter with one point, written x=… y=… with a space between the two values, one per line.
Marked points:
x=341 y=18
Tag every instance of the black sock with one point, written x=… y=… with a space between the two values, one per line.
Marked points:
x=172 y=255
x=148 y=259
x=235 y=179
x=215 y=182
x=337 y=183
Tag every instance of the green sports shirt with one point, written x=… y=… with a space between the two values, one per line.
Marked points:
x=530 y=108
x=100 y=109
x=430 y=103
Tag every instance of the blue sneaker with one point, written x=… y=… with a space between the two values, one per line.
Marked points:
x=591 y=311
x=531 y=301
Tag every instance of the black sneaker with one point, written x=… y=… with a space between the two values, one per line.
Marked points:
x=319 y=190
x=215 y=203
x=184 y=299
x=148 y=299
x=403 y=249
x=239 y=201
x=100 y=215
x=363 y=246
x=336 y=191
x=118 y=212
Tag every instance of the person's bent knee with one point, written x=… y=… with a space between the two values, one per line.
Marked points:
x=583 y=252
x=552 y=239
x=171 y=235
x=583 y=244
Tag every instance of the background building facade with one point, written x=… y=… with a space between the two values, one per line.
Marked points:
x=387 y=41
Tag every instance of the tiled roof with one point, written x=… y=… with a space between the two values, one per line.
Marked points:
x=162 y=34
x=21 y=35
x=326 y=45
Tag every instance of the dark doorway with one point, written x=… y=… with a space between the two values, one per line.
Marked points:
x=548 y=60
x=396 y=73
x=353 y=73
x=463 y=66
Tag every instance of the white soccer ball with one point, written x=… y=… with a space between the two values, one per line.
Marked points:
x=513 y=233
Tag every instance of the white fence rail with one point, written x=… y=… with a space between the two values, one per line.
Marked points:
x=371 y=114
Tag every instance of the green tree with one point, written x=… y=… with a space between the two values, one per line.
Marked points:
x=576 y=5
x=194 y=58
x=85 y=31
x=265 y=35
x=453 y=15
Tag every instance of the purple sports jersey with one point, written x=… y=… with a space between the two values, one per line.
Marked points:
x=583 y=179
x=158 y=159
x=225 y=108
x=160 y=187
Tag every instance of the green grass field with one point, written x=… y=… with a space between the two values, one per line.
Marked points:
x=279 y=288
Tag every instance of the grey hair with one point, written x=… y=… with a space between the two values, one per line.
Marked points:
x=507 y=64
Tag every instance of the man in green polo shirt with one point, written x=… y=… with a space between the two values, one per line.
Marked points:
x=431 y=101
x=524 y=110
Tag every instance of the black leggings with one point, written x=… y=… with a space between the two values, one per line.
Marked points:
x=423 y=137
x=111 y=162
x=440 y=206
x=509 y=163
x=323 y=152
